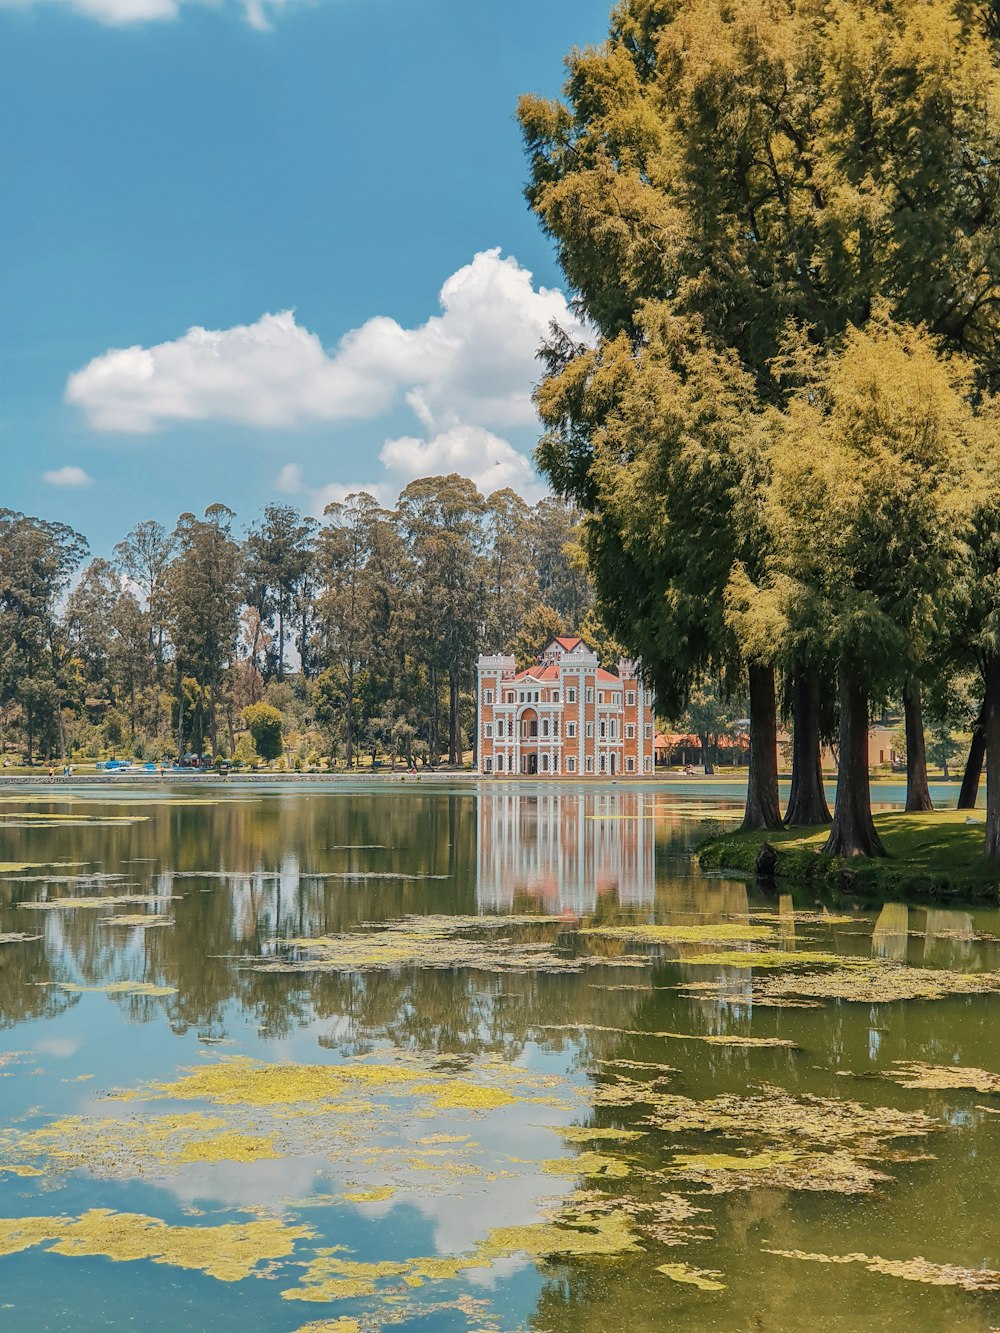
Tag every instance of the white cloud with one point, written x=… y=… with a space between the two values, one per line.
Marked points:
x=473 y=364
x=487 y=459
x=289 y=479
x=491 y=462
x=122 y=13
x=67 y=476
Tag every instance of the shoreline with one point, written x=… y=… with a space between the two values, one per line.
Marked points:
x=931 y=857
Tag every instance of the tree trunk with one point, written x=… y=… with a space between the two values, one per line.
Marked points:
x=453 y=736
x=807 y=798
x=918 y=795
x=199 y=717
x=435 y=752
x=853 y=832
x=180 y=716
x=349 y=716
x=213 y=726
x=762 y=809
x=969 y=794
x=303 y=643
x=706 y=756
x=991 y=727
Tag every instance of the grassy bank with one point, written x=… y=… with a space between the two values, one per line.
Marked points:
x=936 y=856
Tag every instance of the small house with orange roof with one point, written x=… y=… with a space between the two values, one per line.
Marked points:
x=566 y=716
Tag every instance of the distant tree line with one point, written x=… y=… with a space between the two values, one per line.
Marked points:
x=355 y=633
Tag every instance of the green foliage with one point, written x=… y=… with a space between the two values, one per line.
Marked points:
x=246 y=751
x=264 y=724
x=540 y=626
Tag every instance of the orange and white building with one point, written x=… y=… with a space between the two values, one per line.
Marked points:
x=564 y=717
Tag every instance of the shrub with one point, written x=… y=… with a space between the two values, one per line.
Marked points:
x=264 y=725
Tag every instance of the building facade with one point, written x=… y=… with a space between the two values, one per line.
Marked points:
x=566 y=716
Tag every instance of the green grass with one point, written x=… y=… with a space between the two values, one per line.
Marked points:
x=936 y=856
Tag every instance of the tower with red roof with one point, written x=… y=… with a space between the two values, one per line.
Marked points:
x=566 y=716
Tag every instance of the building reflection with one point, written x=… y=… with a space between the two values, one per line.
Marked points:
x=564 y=849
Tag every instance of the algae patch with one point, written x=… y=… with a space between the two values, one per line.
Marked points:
x=110 y=900
x=229 y=1252
x=703 y=1278
x=910 y=1270
x=142 y=920
x=329 y=1277
x=915 y=1074
x=117 y=988
x=709 y=933
x=479 y=943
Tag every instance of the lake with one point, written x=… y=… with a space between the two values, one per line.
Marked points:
x=457 y=1057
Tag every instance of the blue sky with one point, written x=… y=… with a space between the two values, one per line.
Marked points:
x=279 y=175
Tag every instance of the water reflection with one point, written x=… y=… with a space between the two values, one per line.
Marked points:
x=564 y=849
x=892 y=931
x=246 y=873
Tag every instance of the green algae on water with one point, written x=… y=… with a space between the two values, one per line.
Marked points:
x=115 y=987
x=910 y=1270
x=703 y=1278
x=229 y=1252
x=80 y=903
x=141 y=920
x=878 y=981
x=916 y=1074
x=709 y=933
x=478 y=943
x=587 y=1234
x=767 y=958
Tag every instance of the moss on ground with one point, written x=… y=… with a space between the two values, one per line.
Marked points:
x=936 y=856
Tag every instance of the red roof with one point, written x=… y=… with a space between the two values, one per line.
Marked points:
x=674 y=740
x=548 y=672
x=608 y=676
x=567 y=642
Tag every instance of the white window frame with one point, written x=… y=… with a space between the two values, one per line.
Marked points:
x=590 y=731
x=647 y=764
x=571 y=763
x=647 y=731
x=570 y=695
x=589 y=763
x=630 y=764
x=488 y=731
x=590 y=695
x=630 y=731
x=630 y=698
x=499 y=763
x=487 y=696
x=545 y=763
x=570 y=730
